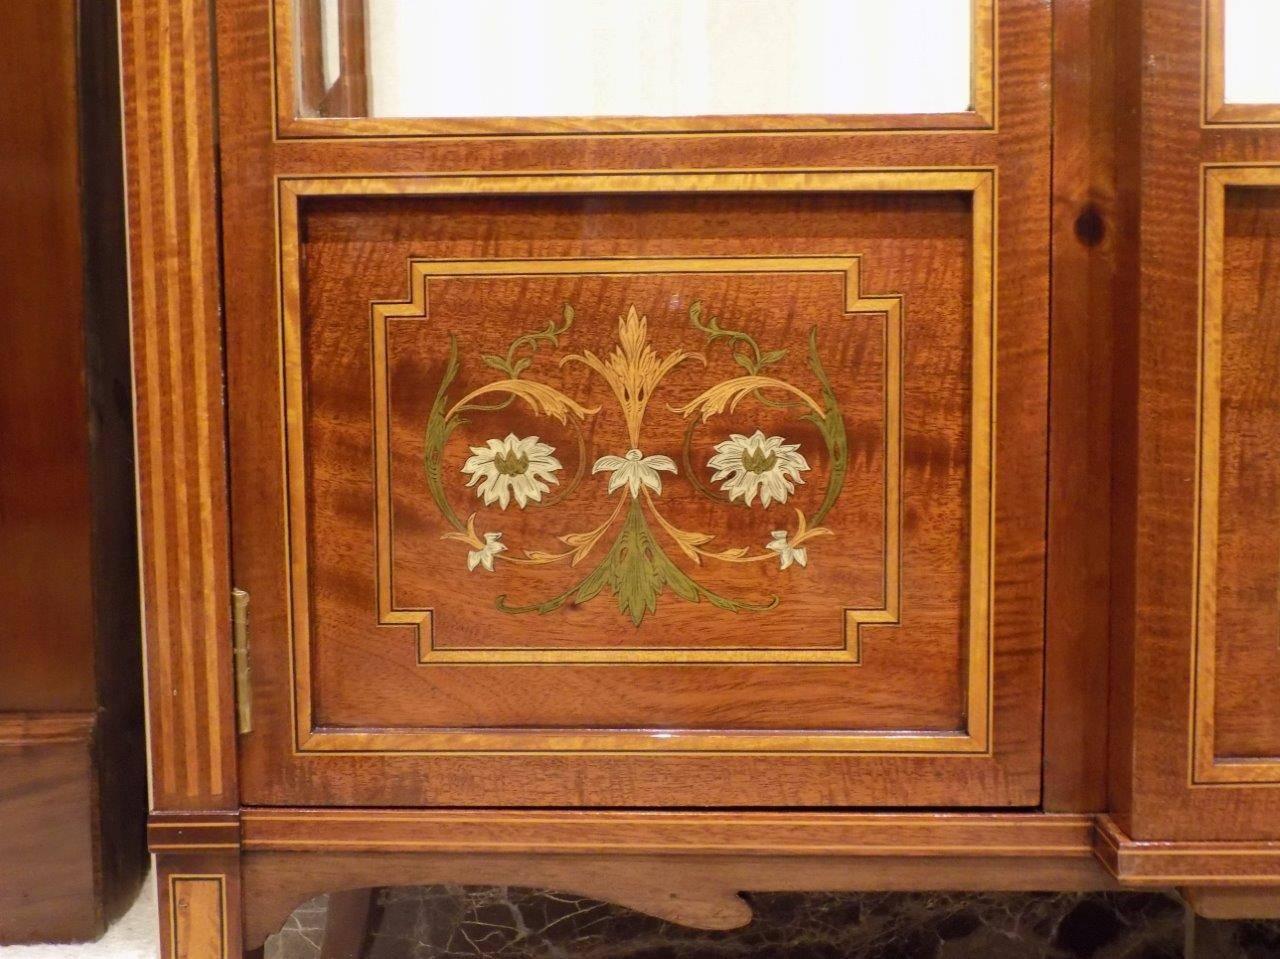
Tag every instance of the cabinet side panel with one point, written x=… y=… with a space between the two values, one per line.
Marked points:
x=46 y=631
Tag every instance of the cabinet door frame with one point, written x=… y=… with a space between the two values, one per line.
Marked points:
x=997 y=760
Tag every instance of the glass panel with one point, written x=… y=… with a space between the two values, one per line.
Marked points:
x=1251 y=32
x=664 y=58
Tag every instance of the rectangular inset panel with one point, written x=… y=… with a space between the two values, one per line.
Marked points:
x=661 y=64
x=1238 y=633
x=197 y=917
x=784 y=411
x=649 y=463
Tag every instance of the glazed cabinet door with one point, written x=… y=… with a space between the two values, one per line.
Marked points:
x=676 y=439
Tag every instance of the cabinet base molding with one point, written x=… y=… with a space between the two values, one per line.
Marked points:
x=564 y=831
x=221 y=873
x=685 y=867
x=47 y=806
x=1212 y=868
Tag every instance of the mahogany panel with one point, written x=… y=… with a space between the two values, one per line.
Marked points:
x=72 y=764
x=780 y=297
x=1246 y=585
x=46 y=590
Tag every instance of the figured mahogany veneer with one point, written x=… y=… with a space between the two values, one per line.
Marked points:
x=415 y=313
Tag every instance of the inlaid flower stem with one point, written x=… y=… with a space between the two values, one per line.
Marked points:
x=636 y=571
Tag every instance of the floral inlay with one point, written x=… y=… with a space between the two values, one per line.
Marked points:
x=635 y=470
x=768 y=465
x=515 y=466
x=635 y=566
x=493 y=546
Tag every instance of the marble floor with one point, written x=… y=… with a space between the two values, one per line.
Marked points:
x=447 y=922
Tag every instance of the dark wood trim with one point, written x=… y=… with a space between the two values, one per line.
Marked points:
x=120 y=747
x=173 y=832
x=1084 y=244
x=567 y=831
x=1160 y=678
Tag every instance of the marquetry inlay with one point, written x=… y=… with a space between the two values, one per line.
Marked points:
x=622 y=556
x=198 y=916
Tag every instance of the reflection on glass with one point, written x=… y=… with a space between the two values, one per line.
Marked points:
x=1251 y=34
x=581 y=58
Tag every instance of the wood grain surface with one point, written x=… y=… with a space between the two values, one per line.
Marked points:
x=46 y=590
x=1085 y=245
x=346 y=692
x=50 y=887
x=1239 y=623
x=703 y=892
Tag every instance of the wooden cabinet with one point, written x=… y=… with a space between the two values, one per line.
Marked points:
x=72 y=753
x=606 y=495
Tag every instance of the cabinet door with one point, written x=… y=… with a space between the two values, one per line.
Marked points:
x=641 y=461
x=1199 y=636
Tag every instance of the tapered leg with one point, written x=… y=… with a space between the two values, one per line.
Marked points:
x=346 y=929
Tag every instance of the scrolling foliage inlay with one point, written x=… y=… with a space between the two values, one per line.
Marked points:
x=552 y=473
x=636 y=568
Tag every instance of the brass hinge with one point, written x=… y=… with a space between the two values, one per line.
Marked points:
x=240 y=640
